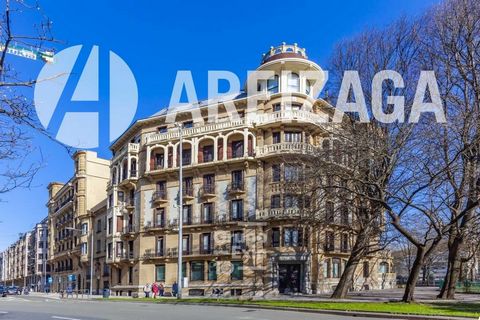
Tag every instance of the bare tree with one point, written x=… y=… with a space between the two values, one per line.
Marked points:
x=452 y=48
x=17 y=115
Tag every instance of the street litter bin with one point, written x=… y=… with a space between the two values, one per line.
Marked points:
x=106 y=293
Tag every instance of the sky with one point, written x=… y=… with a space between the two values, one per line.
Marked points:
x=158 y=38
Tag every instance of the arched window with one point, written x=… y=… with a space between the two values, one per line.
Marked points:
x=293 y=83
x=308 y=86
x=272 y=84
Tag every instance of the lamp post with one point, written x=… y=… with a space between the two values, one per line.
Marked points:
x=180 y=213
x=91 y=255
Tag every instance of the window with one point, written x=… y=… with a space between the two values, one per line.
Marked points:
x=326 y=268
x=119 y=276
x=209 y=183
x=275 y=137
x=335 y=268
x=186 y=244
x=160 y=247
x=236 y=210
x=110 y=226
x=272 y=84
x=188 y=124
x=83 y=248
x=188 y=186
x=84 y=229
x=159 y=161
x=308 y=86
x=291 y=237
x=207 y=243
x=207 y=214
x=275 y=201
x=292 y=172
x=208 y=153
x=109 y=250
x=366 y=269
x=212 y=270
x=99 y=225
x=237 y=180
x=329 y=212
x=130 y=275
x=237 y=149
x=119 y=247
x=196 y=270
x=160 y=217
x=275 y=237
x=383 y=267
x=162 y=129
x=110 y=200
x=160 y=272
x=276 y=107
x=345 y=242
x=237 y=240
x=291 y=201
x=293 y=82
x=293 y=136
x=276 y=173
x=187 y=214
x=329 y=241
x=99 y=246
x=186 y=157
x=237 y=270
x=344 y=215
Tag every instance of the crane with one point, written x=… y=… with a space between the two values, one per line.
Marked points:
x=29 y=53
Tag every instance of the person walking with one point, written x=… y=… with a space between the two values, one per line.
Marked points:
x=175 y=289
x=146 y=290
x=154 y=290
x=161 y=289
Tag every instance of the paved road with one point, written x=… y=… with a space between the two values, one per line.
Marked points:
x=42 y=308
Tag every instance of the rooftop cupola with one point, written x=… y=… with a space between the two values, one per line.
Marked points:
x=284 y=51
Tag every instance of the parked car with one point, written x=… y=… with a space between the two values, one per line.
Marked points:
x=12 y=290
x=3 y=291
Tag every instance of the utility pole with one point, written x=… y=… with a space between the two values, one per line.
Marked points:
x=180 y=213
x=91 y=260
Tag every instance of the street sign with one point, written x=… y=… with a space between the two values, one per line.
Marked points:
x=71 y=277
x=50 y=280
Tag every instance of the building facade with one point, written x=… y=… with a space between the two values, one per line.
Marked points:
x=15 y=262
x=240 y=226
x=70 y=221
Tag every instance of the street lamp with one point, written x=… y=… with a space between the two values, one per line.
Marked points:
x=180 y=213
x=91 y=255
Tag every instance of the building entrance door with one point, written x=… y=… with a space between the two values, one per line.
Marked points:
x=289 y=278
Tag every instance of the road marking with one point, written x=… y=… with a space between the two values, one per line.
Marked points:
x=3 y=312
x=64 y=318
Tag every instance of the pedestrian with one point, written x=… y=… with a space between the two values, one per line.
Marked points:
x=175 y=289
x=69 y=291
x=146 y=290
x=154 y=290
x=161 y=289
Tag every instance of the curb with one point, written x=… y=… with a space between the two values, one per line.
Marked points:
x=307 y=310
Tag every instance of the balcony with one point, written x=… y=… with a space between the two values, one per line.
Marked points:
x=131 y=148
x=151 y=254
x=187 y=193
x=199 y=130
x=287 y=213
x=129 y=230
x=296 y=148
x=159 y=196
x=236 y=187
x=291 y=116
x=207 y=190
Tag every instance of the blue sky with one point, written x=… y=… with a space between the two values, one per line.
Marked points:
x=158 y=38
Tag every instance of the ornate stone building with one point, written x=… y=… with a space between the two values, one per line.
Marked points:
x=240 y=226
x=70 y=221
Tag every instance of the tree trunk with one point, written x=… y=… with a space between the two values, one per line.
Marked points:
x=453 y=270
x=358 y=251
x=414 y=274
x=345 y=281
